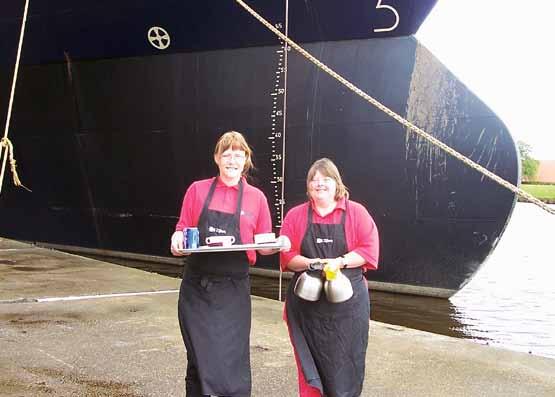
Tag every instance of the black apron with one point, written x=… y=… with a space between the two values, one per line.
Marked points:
x=215 y=310
x=330 y=339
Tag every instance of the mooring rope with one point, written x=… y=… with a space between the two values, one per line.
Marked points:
x=396 y=116
x=5 y=142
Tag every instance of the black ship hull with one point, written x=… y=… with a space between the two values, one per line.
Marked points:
x=109 y=146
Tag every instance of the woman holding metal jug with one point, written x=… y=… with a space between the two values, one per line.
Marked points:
x=328 y=317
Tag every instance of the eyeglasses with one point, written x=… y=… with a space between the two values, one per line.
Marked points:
x=237 y=156
x=326 y=181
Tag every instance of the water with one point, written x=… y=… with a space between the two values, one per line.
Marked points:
x=510 y=303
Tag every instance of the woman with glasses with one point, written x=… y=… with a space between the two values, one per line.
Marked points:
x=329 y=339
x=214 y=307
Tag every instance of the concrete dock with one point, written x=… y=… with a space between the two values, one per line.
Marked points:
x=72 y=326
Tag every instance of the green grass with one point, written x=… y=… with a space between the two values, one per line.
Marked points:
x=542 y=192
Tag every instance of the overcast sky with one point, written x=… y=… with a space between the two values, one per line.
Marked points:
x=504 y=51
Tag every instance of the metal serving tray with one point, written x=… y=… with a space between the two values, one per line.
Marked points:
x=233 y=247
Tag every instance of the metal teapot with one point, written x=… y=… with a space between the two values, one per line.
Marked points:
x=309 y=284
x=338 y=287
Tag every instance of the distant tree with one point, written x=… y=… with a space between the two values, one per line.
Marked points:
x=529 y=164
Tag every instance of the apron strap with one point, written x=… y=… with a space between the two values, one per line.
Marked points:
x=209 y=197
x=239 y=200
x=344 y=216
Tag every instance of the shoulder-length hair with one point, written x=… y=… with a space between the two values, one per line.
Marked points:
x=235 y=141
x=327 y=168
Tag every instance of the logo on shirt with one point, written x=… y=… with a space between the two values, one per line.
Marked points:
x=323 y=240
x=213 y=229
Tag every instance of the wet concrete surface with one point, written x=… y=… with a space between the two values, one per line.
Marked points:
x=130 y=345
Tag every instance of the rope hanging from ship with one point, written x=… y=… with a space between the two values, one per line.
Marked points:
x=397 y=117
x=6 y=146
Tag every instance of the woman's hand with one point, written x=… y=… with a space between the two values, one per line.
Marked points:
x=333 y=264
x=281 y=240
x=177 y=243
x=284 y=242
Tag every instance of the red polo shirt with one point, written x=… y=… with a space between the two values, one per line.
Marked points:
x=360 y=230
x=255 y=213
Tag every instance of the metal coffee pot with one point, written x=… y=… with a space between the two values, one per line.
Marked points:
x=309 y=284
x=338 y=287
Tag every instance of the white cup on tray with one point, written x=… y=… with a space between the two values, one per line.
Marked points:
x=220 y=241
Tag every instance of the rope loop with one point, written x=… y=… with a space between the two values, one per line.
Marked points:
x=7 y=144
x=412 y=128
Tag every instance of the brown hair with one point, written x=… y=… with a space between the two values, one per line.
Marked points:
x=327 y=168
x=235 y=141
